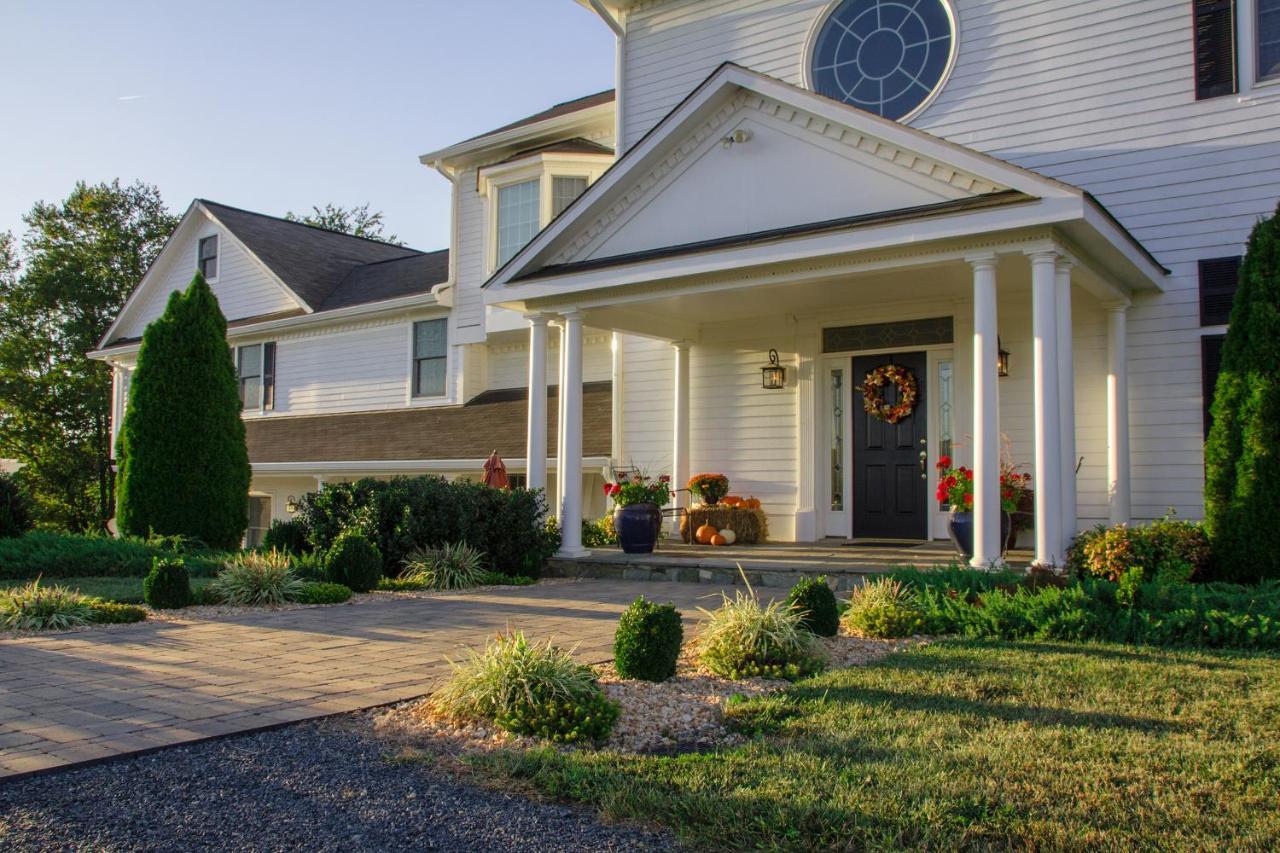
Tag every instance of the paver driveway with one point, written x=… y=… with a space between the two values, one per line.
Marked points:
x=73 y=697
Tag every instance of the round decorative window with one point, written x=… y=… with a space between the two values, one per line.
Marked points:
x=885 y=56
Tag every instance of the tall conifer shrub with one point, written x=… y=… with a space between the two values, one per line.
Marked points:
x=183 y=464
x=1242 y=455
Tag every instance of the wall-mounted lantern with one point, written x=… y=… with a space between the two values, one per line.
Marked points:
x=1002 y=359
x=774 y=375
x=291 y=504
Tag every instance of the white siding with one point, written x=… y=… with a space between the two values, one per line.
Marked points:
x=648 y=373
x=509 y=361
x=471 y=268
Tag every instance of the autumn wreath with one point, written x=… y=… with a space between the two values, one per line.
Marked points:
x=873 y=393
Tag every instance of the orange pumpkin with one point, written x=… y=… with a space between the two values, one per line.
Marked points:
x=705 y=532
x=719 y=540
x=752 y=503
x=731 y=500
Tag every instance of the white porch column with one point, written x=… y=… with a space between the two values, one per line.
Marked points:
x=1067 y=394
x=560 y=355
x=571 y=439
x=1048 y=420
x=680 y=430
x=536 y=439
x=1118 y=495
x=986 y=416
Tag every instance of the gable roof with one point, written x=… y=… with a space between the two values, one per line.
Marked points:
x=391 y=279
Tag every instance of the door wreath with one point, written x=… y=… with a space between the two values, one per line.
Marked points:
x=873 y=393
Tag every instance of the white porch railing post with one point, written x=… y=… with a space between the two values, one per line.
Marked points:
x=986 y=416
x=1118 y=494
x=1048 y=419
x=680 y=430
x=535 y=470
x=571 y=433
x=1067 y=394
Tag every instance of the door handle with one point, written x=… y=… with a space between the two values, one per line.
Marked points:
x=924 y=462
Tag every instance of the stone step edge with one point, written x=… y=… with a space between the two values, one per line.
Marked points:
x=841 y=579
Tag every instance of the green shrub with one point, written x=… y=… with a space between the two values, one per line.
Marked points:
x=167 y=586
x=741 y=639
x=647 y=642
x=15 y=508
x=37 y=608
x=115 y=613
x=401 y=585
x=883 y=608
x=405 y=513
x=42 y=553
x=499 y=579
x=529 y=689
x=451 y=566
x=814 y=600
x=288 y=535
x=322 y=593
x=354 y=562
x=309 y=567
x=1167 y=546
x=257 y=578
x=182 y=460
x=599 y=534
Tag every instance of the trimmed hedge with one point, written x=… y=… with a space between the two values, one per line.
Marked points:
x=72 y=555
x=354 y=562
x=322 y=593
x=115 y=613
x=814 y=598
x=405 y=513
x=168 y=586
x=647 y=642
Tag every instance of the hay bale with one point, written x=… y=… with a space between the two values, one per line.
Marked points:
x=749 y=525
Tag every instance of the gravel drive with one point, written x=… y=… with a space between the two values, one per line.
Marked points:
x=313 y=786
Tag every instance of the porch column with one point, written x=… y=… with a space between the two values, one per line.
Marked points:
x=1118 y=495
x=571 y=439
x=680 y=430
x=559 y=495
x=536 y=439
x=1048 y=418
x=986 y=416
x=1067 y=394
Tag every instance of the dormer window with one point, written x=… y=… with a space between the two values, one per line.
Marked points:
x=207 y=257
x=564 y=190
x=518 y=214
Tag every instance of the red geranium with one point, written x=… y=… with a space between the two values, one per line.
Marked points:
x=955 y=486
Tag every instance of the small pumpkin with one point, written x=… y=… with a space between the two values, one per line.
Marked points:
x=728 y=536
x=731 y=500
x=705 y=532
x=752 y=503
x=719 y=539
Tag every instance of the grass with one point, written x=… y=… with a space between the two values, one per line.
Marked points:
x=969 y=744
x=125 y=590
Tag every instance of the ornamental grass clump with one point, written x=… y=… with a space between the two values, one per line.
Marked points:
x=647 y=642
x=528 y=689
x=883 y=608
x=742 y=639
x=813 y=599
x=451 y=566
x=257 y=578
x=33 y=607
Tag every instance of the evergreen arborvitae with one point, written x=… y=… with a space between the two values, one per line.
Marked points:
x=1242 y=455
x=183 y=464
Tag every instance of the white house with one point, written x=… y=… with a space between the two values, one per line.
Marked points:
x=851 y=184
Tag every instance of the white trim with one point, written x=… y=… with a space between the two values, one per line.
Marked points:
x=412 y=399
x=489 y=141
x=590 y=464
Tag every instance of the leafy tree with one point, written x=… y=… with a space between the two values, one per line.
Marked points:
x=82 y=259
x=184 y=466
x=356 y=221
x=1242 y=455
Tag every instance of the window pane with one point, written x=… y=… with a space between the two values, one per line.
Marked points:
x=430 y=338
x=837 y=440
x=207 y=257
x=517 y=218
x=250 y=360
x=1268 y=38
x=250 y=392
x=564 y=191
x=429 y=381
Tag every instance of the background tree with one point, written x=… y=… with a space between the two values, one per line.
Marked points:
x=356 y=221
x=82 y=258
x=183 y=463
x=1242 y=455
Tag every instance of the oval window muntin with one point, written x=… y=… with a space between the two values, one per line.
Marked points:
x=811 y=41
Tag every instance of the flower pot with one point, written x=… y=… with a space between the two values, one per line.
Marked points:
x=637 y=526
x=960 y=526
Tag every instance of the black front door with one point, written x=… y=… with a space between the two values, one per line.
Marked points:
x=889 y=493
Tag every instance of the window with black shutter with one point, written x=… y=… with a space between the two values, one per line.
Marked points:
x=1215 y=48
x=1210 y=364
x=1218 y=277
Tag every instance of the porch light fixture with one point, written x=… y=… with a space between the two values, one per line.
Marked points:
x=291 y=504
x=774 y=375
x=738 y=137
x=1002 y=359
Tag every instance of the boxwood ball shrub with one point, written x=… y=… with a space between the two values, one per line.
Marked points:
x=742 y=639
x=354 y=562
x=322 y=593
x=883 y=608
x=814 y=600
x=529 y=689
x=168 y=585
x=15 y=508
x=647 y=642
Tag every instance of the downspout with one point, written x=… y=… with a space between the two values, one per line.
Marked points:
x=616 y=23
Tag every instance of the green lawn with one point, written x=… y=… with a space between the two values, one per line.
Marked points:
x=970 y=745
x=127 y=590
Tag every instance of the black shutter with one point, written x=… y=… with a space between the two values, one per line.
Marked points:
x=1218 y=278
x=1214 y=26
x=269 y=375
x=1210 y=364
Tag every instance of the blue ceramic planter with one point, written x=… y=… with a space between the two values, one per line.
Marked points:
x=960 y=526
x=637 y=526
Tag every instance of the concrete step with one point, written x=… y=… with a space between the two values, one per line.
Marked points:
x=715 y=573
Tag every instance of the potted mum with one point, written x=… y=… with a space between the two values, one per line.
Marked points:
x=637 y=510
x=955 y=488
x=708 y=488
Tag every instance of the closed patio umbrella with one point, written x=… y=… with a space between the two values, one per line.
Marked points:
x=495 y=472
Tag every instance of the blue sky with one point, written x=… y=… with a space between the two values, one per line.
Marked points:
x=276 y=105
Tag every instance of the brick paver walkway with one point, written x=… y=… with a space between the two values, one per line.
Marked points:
x=74 y=697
